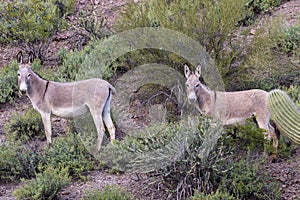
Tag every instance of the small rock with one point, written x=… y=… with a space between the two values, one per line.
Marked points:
x=252 y=32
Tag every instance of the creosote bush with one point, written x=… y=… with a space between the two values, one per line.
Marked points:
x=8 y=82
x=17 y=161
x=67 y=152
x=211 y=23
x=44 y=186
x=196 y=155
x=25 y=127
x=269 y=61
x=243 y=180
x=32 y=23
x=256 y=7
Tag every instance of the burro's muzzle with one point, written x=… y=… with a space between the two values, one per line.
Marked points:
x=192 y=98
x=22 y=88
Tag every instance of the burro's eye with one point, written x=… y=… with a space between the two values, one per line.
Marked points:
x=28 y=75
x=19 y=74
x=197 y=85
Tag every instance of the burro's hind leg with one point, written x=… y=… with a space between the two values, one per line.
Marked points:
x=107 y=119
x=97 y=117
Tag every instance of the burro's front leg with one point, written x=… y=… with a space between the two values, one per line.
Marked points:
x=47 y=126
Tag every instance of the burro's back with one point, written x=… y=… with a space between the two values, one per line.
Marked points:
x=235 y=107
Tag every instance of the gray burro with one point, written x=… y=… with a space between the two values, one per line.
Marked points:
x=67 y=100
x=236 y=107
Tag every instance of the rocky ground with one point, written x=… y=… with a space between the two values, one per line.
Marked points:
x=286 y=171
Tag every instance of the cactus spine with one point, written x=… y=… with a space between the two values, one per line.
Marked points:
x=285 y=114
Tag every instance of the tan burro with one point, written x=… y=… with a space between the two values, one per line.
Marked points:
x=67 y=100
x=231 y=107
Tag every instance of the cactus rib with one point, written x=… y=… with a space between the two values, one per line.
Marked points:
x=285 y=114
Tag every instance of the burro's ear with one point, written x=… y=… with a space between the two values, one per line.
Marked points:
x=20 y=57
x=31 y=57
x=187 y=71
x=198 y=71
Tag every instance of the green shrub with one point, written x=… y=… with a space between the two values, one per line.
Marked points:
x=214 y=196
x=211 y=23
x=94 y=28
x=17 y=161
x=185 y=157
x=108 y=193
x=256 y=7
x=25 y=127
x=8 y=82
x=65 y=7
x=291 y=39
x=84 y=64
x=31 y=23
x=243 y=180
x=44 y=186
x=294 y=93
x=67 y=152
x=247 y=137
x=266 y=65
x=71 y=63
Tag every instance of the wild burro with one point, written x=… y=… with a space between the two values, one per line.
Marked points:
x=231 y=107
x=67 y=100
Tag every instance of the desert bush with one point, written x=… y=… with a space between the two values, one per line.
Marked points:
x=266 y=64
x=195 y=156
x=30 y=23
x=294 y=93
x=243 y=180
x=8 y=82
x=211 y=23
x=247 y=137
x=25 y=127
x=44 y=186
x=71 y=63
x=108 y=193
x=185 y=157
x=256 y=7
x=214 y=196
x=84 y=64
x=96 y=28
x=67 y=152
x=17 y=161
x=65 y=7
x=291 y=41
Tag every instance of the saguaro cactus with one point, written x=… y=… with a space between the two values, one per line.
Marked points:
x=285 y=114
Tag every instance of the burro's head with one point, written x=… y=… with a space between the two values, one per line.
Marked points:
x=192 y=83
x=24 y=72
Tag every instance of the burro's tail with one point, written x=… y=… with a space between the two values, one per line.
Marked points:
x=285 y=114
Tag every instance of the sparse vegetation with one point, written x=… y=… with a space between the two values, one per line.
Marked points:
x=108 y=193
